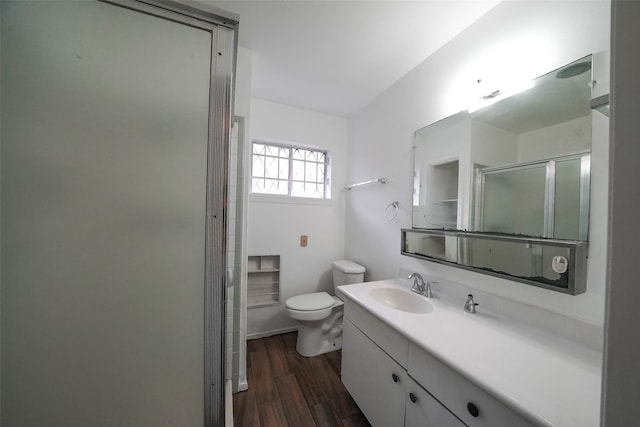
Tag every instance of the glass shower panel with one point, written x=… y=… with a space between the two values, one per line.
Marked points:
x=513 y=201
x=105 y=120
x=567 y=200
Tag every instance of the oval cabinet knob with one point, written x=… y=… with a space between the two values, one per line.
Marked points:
x=473 y=410
x=413 y=397
x=394 y=377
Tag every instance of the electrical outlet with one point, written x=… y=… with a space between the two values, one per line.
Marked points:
x=303 y=240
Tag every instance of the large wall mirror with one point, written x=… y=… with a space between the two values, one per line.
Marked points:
x=515 y=165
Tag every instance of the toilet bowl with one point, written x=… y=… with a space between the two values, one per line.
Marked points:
x=319 y=314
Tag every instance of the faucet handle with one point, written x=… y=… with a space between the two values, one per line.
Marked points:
x=418 y=283
x=427 y=291
x=470 y=305
x=415 y=276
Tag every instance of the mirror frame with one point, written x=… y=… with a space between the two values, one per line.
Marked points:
x=577 y=267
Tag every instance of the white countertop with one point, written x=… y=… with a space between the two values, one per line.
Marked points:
x=551 y=381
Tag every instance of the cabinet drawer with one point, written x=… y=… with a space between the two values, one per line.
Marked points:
x=467 y=401
x=387 y=338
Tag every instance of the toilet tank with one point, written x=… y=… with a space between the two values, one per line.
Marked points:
x=346 y=272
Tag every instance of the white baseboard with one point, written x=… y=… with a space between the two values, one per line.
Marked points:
x=257 y=335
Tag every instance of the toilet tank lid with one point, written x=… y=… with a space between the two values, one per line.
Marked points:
x=348 y=266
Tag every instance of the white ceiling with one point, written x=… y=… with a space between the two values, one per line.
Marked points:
x=337 y=56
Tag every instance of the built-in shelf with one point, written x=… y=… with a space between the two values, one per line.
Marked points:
x=442 y=202
x=442 y=194
x=263 y=281
x=264 y=270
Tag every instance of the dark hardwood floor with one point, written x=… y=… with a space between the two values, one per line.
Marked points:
x=286 y=389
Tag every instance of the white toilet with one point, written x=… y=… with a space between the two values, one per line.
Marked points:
x=320 y=314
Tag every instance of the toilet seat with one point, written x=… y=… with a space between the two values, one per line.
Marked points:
x=310 y=302
x=315 y=306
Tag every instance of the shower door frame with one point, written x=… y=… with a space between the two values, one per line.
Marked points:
x=549 y=196
x=223 y=27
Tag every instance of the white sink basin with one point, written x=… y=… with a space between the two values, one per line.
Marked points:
x=401 y=300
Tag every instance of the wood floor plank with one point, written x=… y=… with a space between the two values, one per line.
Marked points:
x=344 y=405
x=293 y=402
x=325 y=416
x=290 y=340
x=331 y=385
x=245 y=410
x=277 y=358
x=255 y=345
x=262 y=379
x=334 y=359
x=302 y=369
x=357 y=420
x=248 y=357
x=272 y=414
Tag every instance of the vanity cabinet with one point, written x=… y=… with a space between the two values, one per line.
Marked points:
x=397 y=383
x=374 y=380
x=383 y=390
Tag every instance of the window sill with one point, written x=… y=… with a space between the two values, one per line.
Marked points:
x=273 y=198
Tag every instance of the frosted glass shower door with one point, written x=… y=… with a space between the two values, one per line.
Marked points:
x=567 y=208
x=545 y=199
x=105 y=117
x=514 y=201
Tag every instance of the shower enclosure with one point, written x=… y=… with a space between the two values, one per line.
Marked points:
x=115 y=128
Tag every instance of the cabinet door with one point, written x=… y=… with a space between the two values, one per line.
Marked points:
x=423 y=410
x=468 y=401
x=373 y=379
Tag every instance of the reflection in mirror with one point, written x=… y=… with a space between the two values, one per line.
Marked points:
x=517 y=166
x=546 y=198
x=559 y=265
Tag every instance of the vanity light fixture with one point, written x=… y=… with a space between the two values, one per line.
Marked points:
x=499 y=95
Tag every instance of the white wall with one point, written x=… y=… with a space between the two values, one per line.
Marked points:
x=275 y=223
x=524 y=38
x=561 y=139
x=492 y=146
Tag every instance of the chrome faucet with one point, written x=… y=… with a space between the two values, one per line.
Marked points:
x=419 y=285
x=470 y=305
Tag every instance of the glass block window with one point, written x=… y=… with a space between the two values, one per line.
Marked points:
x=289 y=171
